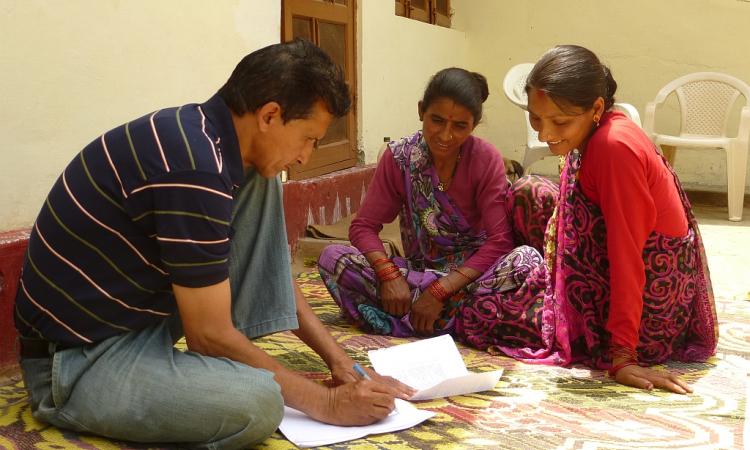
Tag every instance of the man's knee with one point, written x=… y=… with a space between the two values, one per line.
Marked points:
x=262 y=418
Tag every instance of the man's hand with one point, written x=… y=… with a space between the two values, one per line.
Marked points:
x=424 y=313
x=359 y=403
x=395 y=296
x=647 y=378
x=343 y=372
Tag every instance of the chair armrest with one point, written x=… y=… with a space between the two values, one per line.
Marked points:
x=649 y=119
x=743 y=130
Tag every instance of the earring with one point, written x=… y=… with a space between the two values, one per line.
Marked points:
x=596 y=121
x=450 y=137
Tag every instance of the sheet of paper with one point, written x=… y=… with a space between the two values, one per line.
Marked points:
x=432 y=366
x=304 y=431
x=471 y=382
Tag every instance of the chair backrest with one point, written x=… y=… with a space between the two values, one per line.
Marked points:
x=629 y=110
x=514 y=84
x=706 y=100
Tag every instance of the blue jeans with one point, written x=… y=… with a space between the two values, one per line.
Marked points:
x=137 y=387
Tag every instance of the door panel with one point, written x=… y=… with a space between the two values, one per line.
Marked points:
x=330 y=25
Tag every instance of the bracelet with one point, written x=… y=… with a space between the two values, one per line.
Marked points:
x=386 y=270
x=460 y=272
x=388 y=273
x=380 y=261
x=438 y=291
x=619 y=351
x=391 y=276
x=613 y=370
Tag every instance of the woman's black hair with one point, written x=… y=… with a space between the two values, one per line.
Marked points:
x=573 y=75
x=293 y=74
x=468 y=89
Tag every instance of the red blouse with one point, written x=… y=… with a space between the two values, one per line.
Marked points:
x=623 y=174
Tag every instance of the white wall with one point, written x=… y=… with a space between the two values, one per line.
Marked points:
x=397 y=56
x=73 y=69
x=646 y=43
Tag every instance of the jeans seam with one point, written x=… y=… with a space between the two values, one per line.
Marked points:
x=55 y=380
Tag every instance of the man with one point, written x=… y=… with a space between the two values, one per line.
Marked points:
x=172 y=225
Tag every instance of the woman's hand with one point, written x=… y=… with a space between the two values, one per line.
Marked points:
x=395 y=296
x=647 y=378
x=424 y=313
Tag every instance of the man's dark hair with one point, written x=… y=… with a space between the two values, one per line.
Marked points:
x=293 y=74
x=468 y=89
x=574 y=75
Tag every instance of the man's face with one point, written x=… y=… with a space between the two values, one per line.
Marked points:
x=283 y=144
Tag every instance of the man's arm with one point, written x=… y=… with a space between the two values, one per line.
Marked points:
x=313 y=333
x=206 y=318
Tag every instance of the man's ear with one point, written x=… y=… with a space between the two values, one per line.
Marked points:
x=419 y=110
x=267 y=113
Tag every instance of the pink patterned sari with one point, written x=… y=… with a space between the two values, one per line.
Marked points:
x=558 y=315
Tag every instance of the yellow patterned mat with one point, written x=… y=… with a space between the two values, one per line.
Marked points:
x=533 y=407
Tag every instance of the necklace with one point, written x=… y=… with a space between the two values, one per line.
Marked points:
x=442 y=186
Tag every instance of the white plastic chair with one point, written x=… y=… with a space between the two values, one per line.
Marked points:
x=706 y=100
x=514 y=87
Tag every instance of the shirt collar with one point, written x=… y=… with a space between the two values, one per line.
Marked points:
x=218 y=113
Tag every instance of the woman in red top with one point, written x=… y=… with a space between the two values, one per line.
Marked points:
x=625 y=282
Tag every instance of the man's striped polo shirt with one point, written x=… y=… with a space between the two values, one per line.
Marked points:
x=143 y=206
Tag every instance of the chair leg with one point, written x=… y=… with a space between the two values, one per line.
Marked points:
x=736 y=175
x=669 y=151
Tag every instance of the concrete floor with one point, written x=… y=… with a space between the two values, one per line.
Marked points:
x=728 y=250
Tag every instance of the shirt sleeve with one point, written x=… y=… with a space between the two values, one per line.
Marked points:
x=190 y=213
x=491 y=192
x=619 y=176
x=383 y=201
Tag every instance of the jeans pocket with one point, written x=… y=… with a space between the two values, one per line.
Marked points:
x=67 y=367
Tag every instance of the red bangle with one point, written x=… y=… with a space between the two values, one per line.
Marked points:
x=387 y=270
x=391 y=276
x=460 y=272
x=390 y=272
x=380 y=261
x=613 y=370
x=620 y=352
x=438 y=291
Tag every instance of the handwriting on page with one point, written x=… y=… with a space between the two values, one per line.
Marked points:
x=432 y=366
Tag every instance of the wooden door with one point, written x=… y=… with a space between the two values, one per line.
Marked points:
x=330 y=25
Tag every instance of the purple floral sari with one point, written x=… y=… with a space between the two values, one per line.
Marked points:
x=558 y=315
x=436 y=239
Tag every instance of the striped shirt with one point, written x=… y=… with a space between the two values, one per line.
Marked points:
x=144 y=206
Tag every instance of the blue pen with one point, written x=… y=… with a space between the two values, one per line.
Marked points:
x=361 y=372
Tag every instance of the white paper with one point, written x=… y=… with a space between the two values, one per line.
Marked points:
x=432 y=366
x=303 y=431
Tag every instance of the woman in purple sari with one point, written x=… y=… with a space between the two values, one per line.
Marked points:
x=449 y=190
x=625 y=282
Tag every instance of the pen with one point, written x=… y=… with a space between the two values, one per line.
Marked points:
x=361 y=372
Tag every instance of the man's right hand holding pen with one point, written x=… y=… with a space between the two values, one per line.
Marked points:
x=365 y=400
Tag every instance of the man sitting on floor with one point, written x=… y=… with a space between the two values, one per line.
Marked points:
x=173 y=225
